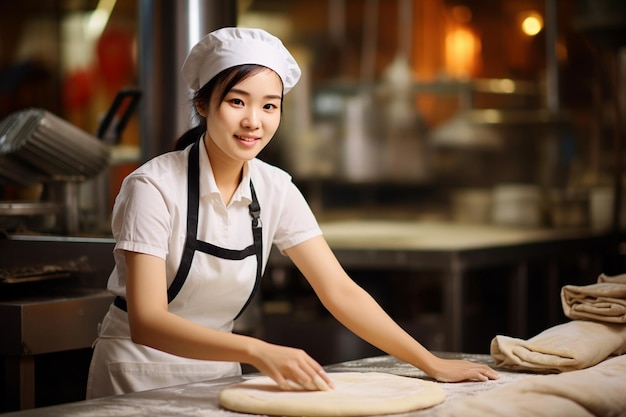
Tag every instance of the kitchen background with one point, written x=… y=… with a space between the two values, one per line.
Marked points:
x=499 y=112
x=415 y=108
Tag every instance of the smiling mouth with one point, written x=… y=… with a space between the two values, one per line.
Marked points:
x=246 y=138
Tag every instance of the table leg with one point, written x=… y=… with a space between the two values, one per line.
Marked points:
x=554 y=293
x=518 y=307
x=453 y=306
x=20 y=382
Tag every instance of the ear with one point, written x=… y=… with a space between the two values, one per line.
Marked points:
x=200 y=109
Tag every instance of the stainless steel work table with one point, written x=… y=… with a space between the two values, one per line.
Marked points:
x=49 y=315
x=41 y=325
x=454 y=249
x=200 y=399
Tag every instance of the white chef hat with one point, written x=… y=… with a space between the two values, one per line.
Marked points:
x=228 y=47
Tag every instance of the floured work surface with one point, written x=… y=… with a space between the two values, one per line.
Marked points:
x=200 y=399
x=455 y=391
x=355 y=394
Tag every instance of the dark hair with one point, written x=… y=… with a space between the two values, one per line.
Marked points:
x=222 y=83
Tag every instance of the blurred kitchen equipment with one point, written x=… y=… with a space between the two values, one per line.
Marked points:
x=467 y=129
x=602 y=206
x=50 y=146
x=361 y=144
x=113 y=124
x=32 y=215
x=51 y=151
x=402 y=125
x=43 y=272
x=95 y=193
x=517 y=205
x=486 y=128
x=569 y=208
x=472 y=205
x=603 y=22
x=18 y=174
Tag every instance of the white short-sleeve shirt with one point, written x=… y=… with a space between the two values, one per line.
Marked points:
x=150 y=212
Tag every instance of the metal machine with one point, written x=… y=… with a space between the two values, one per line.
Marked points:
x=53 y=270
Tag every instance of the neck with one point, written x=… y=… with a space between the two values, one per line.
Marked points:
x=226 y=171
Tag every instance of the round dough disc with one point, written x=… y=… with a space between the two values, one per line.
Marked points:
x=355 y=394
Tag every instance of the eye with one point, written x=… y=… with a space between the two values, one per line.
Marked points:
x=237 y=101
x=270 y=106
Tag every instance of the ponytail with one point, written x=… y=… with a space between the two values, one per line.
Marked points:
x=191 y=136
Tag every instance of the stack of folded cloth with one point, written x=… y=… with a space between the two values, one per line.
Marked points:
x=597 y=330
x=586 y=352
x=604 y=301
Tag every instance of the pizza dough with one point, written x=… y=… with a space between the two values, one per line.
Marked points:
x=355 y=394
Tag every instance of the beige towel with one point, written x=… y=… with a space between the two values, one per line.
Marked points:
x=603 y=301
x=596 y=391
x=569 y=346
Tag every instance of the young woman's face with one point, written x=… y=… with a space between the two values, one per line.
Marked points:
x=246 y=120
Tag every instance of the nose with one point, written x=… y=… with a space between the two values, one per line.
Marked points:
x=251 y=119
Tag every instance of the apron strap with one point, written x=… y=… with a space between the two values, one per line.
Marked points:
x=193 y=203
x=257 y=235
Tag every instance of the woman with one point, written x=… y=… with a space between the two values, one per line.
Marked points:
x=193 y=231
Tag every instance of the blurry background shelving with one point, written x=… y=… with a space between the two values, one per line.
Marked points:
x=422 y=97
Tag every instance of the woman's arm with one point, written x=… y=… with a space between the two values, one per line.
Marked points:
x=359 y=312
x=151 y=324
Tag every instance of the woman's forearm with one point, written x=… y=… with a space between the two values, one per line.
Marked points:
x=365 y=318
x=178 y=336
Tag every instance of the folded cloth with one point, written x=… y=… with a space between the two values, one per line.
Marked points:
x=595 y=391
x=569 y=346
x=603 y=301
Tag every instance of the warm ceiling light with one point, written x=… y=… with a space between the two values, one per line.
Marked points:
x=532 y=24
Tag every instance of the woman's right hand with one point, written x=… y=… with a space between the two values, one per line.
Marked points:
x=456 y=370
x=290 y=368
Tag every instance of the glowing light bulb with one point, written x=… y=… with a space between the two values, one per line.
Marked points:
x=532 y=24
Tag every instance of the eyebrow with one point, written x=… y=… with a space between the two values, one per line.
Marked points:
x=245 y=93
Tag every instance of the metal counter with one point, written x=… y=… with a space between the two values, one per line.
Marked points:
x=41 y=325
x=48 y=316
x=200 y=399
x=454 y=249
